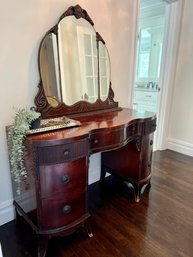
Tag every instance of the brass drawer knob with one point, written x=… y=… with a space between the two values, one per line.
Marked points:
x=66 y=152
x=66 y=209
x=96 y=141
x=65 y=179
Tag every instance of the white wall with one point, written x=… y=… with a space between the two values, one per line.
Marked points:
x=180 y=136
x=22 y=25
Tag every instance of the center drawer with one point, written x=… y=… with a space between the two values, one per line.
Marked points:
x=107 y=139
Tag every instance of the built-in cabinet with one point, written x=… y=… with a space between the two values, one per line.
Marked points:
x=145 y=100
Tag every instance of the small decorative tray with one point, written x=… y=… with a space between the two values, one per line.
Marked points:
x=54 y=124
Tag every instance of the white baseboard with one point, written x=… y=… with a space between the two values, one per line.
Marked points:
x=94 y=168
x=180 y=146
x=1 y=254
x=7 y=212
x=94 y=176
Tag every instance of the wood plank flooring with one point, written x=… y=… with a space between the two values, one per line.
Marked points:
x=160 y=225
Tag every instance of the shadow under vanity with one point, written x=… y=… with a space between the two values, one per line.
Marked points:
x=75 y=82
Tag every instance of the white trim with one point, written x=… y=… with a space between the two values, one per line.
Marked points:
x=1 y=255
x=169 y=1
x=7 y=212
x=180 y=146
x=94 y=176
x=133 y=52
x=168 y=69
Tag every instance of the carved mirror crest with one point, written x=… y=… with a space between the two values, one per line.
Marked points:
x=74 y=67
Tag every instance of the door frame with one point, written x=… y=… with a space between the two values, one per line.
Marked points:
x=171 y=42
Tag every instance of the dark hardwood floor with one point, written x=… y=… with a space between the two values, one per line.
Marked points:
x=160 y=225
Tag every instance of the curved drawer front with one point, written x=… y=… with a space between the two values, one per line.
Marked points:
x=64 y=152
x=60 y=211
x=149 y=126
x=107 y=139
x=63 y=177
x=113 y=138
x=133 y=130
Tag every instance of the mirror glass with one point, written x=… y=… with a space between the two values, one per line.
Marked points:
x=104 y=71
x=78 y=60
x=69 y=70
x=49 y=69
x=74 y=68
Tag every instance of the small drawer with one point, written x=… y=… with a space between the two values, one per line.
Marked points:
x=57 y=212
x=134 y=129
x=60 y=153
x=146 y=96
x=104 y=140
x=63 y=177
x=149 y=126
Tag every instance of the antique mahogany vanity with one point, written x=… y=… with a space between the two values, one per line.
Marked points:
x=75 y=82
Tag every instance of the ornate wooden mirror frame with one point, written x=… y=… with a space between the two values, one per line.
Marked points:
x=81 y=107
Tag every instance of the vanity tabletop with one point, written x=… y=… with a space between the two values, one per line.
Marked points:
x=91 y=123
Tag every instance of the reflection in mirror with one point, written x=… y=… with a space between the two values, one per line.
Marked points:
x=75 y=68
x=49 y=68
x=104 y=71
x=78 y=60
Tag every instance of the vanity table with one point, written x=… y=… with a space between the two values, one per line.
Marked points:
x=77 y=84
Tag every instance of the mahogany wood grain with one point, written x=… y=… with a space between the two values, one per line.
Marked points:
x=161 y=225
x=59 y=163
x=63 y=177
x=125 y=120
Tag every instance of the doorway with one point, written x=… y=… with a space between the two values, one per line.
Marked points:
x=158 y=31
x=149 y=54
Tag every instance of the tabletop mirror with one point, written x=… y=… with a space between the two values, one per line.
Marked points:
x=74 y=67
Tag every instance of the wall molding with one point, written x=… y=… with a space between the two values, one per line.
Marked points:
x=174 y=14
x=94 y=177
x=7 y=209
x=180 y=146
x=133 y=51
x=7 y=212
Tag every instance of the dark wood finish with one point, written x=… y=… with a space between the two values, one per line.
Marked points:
x=78 y=12
x=81 y=107
x=77 y=109
x=61 y=179
x=161 y=225
x=125 y=161
x=59 y=161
